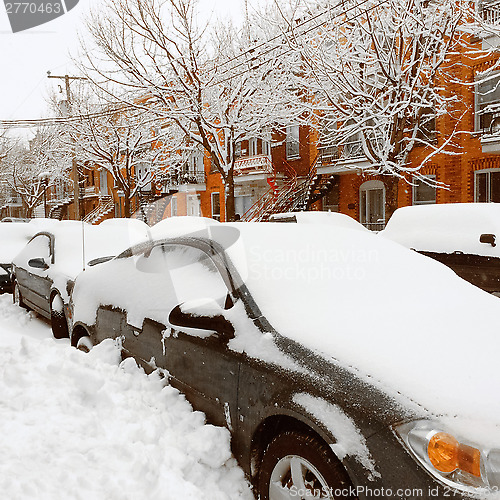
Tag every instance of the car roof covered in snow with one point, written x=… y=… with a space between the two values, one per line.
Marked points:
x=333 y=218
x=446 y=228
x=74 y=240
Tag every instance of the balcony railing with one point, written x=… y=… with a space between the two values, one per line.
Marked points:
x=490 y=12
x=328 y=155
x=253 y=165
x=352 y=149
x=172 y=180
x=14 y=202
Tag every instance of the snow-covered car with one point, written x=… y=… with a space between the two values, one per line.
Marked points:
x=344 y=365
x=329 y=218
x=45 y=269
x=13 y=237
x=462 y=236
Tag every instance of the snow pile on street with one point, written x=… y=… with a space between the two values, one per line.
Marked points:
x=84 y=426
x=446 y=228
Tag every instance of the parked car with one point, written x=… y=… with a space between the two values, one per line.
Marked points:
x=13 y=238
x=317 y=217
x=340 y=367
x=45 y=269
x=14 y=219
x=462 y=236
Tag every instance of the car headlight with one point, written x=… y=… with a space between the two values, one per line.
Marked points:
x=452 y=461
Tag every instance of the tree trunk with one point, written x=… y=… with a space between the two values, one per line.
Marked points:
x=126 y=211
x=391 y=196
x=229 y=192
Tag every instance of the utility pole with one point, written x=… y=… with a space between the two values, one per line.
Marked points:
x=76 y=176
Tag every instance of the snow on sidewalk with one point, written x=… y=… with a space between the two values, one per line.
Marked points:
x=88 y=427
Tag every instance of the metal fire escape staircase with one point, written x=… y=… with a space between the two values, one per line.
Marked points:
x=292 y=196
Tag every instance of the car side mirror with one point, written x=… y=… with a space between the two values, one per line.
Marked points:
x=488 y=238
x=201 y=316
x=38 y=263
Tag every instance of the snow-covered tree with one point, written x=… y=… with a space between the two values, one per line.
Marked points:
x=206 y=87
x=380 y=73
x=115 y=138
x=31 y=170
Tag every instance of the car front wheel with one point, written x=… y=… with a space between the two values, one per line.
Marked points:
x=299 y=466
x=58 y=318
x=84 y=344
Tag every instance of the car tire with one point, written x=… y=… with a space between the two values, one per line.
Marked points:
x=58 y=319
x=84 y=344
x=315 y=468
x=17 y=298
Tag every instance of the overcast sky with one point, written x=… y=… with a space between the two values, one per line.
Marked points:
x=27 y=56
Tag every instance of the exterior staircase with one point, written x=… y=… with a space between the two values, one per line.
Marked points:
x=105 y=207
x=291 y=197
x=320 y=186
x=57 y=210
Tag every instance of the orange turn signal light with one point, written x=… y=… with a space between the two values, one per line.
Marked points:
x=447 y=454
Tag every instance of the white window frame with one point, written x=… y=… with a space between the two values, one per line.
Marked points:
x=293 y=142
x=173 y=206
x=414 y=192
x=215 y=215
x=364 y=189
x=477 y=121
x=487 y=172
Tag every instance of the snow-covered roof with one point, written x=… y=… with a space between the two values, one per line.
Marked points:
x=446 y=228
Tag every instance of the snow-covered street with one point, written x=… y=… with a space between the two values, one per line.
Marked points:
x=86 y=426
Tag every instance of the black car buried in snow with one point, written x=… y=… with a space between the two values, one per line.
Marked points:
x=333 y=383
x=463 y=236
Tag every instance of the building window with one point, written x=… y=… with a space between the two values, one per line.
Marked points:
x=237 y=149
x=487 y=103
x=424 y=193
x=193 y=205
x=195 y=162
x=173 y=206
x=427 y=127
x=292 y=142
x=252 y=146
x=216 y=206
x=266 y=145
x=487 y=186
x=372 y=205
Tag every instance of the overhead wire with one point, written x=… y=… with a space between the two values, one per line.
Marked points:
x=54 y=121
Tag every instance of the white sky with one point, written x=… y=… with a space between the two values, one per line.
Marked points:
x=26 y=57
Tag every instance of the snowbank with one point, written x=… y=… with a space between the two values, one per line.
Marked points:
x=84 y=426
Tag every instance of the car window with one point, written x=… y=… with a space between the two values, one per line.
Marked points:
x=38 y=247
x=189 y=271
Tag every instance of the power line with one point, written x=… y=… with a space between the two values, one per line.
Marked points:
x=291 y=49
